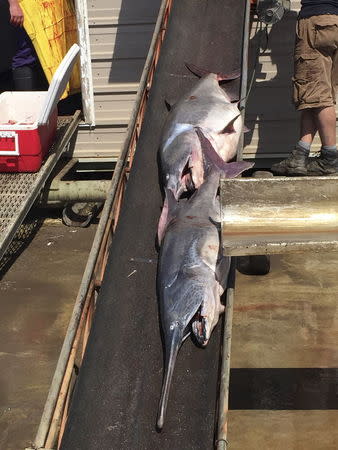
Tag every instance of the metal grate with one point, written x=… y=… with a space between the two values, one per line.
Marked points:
x=14 y=190
x=18 y=191
x=23 y=236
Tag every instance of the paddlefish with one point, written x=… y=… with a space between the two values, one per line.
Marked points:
x=192 y=272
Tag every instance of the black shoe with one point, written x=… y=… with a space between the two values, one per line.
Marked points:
x=294 y=165
x=322 y=165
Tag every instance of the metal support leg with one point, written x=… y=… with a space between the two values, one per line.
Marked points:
x=222 y=443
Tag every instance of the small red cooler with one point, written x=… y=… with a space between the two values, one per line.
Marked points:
x=28 y=121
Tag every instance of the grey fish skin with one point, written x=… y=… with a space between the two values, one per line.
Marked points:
x=208 y=159
x=208 y=107
x=191 y=275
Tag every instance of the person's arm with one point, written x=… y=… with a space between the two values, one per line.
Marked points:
x=16 y=13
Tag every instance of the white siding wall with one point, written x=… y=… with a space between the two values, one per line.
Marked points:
x=271 y=116
x=120 y=34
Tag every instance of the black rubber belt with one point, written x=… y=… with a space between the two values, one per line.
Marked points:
x=115 y=401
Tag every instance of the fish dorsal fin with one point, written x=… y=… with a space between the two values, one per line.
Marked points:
x=230 y=126
x=220 y=76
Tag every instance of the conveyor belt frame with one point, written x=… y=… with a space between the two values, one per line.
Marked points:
x=54 y=416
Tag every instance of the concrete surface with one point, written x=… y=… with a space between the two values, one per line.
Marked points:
x=284 y=390
x=283 y=430
x=284 y=381
x=37 y=294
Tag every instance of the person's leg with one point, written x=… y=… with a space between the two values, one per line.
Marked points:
x=315 y=78
x=326 y=43
x=326 y=124
x=308 y=126
x=23 y=78
x=6 y=81
x=327 y=162
x=30 y=78
x=295 y=164
x=41 y=83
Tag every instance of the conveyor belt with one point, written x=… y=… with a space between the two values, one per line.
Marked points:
x=115 y=402
x=18 y=191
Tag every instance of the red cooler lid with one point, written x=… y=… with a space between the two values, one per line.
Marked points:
x=58 y=83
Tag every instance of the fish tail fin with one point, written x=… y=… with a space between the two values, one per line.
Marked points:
x=220 y=76
x=170 y=360
x=214 y=162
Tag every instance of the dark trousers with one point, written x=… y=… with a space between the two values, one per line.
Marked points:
x=29 y=78
x=6 y=81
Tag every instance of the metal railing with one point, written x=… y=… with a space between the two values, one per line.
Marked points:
x=223 y=403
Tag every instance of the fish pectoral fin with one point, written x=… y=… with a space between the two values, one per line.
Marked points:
x=168 y=213
x=162 y=223
x=171 y=200
x=227 y=170
x=234 y=169
x=210 y=155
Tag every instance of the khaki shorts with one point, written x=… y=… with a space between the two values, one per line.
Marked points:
x=316 y=62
